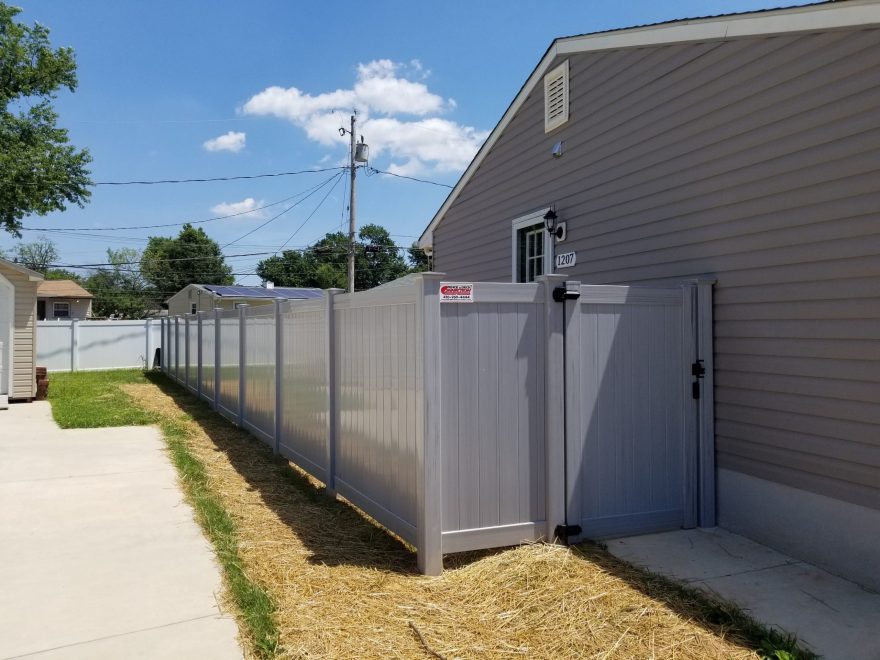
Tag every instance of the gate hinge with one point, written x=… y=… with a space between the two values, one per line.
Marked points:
x=561 y=294
x=697 y=369
x=564 y=532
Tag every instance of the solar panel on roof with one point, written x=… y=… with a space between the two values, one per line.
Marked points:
x=260 y=292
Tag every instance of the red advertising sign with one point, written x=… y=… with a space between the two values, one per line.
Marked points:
x=458 y=292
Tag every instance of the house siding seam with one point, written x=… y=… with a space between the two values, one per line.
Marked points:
x=754 y=161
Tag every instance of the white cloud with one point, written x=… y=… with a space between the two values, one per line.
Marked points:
x=383 y=90
x=231 y=141
x=244 y=207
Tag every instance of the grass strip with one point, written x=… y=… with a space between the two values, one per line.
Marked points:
x=254 y=604
x=94 y=399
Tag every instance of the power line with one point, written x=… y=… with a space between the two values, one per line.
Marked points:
x=323 y=199
x=275 y=217
x=411 y=178
x=170 y=224
x=217 y=178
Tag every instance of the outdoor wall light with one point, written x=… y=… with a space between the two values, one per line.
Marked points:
x=551 y=224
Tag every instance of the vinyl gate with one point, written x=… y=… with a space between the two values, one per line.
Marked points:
x=632 y=416
x=516 y=413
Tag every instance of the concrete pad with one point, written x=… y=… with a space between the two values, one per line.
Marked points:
x=100 y=556
x=832 y=616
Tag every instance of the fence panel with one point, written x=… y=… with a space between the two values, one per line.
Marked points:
x=305 y=414
x=208 y=343
x=229 y=363
x=92 y=345
x=492 y=382
x=379 y=404
x=259 y=400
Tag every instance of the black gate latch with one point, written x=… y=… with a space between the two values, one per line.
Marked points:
x=564 y=532
x=697 y=371
x=561 y=294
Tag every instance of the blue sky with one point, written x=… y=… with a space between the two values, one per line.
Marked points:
x=186 y=89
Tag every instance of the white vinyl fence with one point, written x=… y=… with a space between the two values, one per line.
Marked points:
x=444 y=422
x=90 y=345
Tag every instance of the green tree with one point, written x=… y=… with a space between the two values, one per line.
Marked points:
x=38 y=255
x=169 y=264
x=40 y=171
x=120 y=290
x=63 y=274
x=325 y=264
x=419 y=261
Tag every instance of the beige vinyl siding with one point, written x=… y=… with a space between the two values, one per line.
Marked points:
x=180 y=302
x=79 y=308
x=756 y=161
x=24 y=334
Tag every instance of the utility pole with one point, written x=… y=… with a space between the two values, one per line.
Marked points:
x=351 y=210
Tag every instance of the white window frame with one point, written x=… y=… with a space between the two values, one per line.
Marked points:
x=55 y=310
x=556 y=122
x=525 y=222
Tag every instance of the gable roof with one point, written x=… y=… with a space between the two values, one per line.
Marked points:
x=33 y=275
x=61 y=289
x=829 y=15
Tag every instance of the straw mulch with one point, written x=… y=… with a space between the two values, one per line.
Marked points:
x=345 y=589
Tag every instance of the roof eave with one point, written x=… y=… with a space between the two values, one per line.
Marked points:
x=804 y=18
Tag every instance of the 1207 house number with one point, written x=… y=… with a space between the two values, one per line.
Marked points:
x=566 y=260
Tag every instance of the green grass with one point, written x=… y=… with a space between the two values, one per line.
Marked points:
x=93 y=399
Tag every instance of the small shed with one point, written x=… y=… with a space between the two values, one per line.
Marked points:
x=18 y=312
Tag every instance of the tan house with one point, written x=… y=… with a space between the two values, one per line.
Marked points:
x=205 y=297
x=18 y=310
x=62 y=299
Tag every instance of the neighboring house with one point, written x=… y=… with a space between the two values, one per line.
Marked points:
x=62 y=299
x=205 y=297
x=18 y=310
x=744 y=148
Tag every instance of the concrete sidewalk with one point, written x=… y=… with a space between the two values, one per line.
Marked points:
x=99 y=554
x=833 y=617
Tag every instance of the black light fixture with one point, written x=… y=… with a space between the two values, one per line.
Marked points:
x=550 y=223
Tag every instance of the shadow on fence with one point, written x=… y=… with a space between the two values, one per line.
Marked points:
x=335 y=533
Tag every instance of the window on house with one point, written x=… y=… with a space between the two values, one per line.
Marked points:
x=61 y=310
x=556 y=97
x=192 y=308
x=532 y=248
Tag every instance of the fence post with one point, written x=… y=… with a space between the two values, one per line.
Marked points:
x=429 y=457
x=332 y=409
x=177 y=348
x=148 y=360
x=706 y=425
x=279 y=375
x=199 y=357
x=554 y=405
x=186 y=355
x=242 y=359
x=217 y=380
x=74 y=345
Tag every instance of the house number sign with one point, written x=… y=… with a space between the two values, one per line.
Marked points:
x=566 y=259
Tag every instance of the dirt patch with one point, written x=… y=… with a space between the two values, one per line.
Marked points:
x=345 y=588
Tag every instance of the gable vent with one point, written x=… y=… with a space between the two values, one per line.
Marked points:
x=556 y=97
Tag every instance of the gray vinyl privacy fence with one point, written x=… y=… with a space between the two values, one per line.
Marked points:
x=75 y=345
x=443 y=421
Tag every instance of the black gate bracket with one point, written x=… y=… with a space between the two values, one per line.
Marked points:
x=697 y=371
x=561 y=294
x=564 y=532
